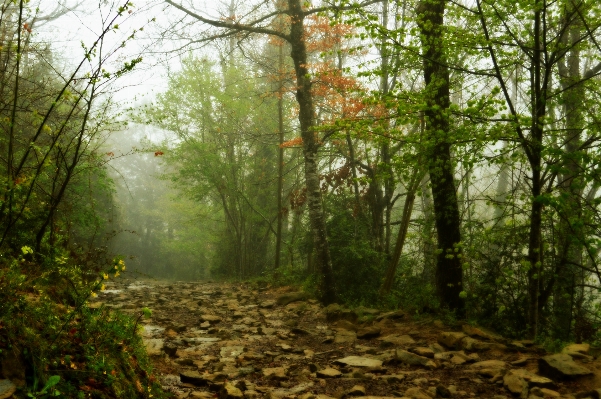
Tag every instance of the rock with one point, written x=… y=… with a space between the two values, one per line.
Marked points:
x=335 y=312
x=345 y=336
x=267 y=304
x=451 y=339
x=458 y=360
x=473 y=331
x=275 y=373
x=193 y=377
x=300 y=331
x=250 y=355
x=490 y=368
x=363 y=311
x=368 y=332
x=201 y=395
x=424 y=352
x=154 y=346
x=393 y=378
x=414 y=360
x=170 y=349
x=378 y=397
x=346 y=325
x=396 y=340
x=489 y=364
x=470 y=344
x=396 y=315
x=211 y=319
x=229 y=391
x=290 y=392
x=313 y=396
x=417 y=393
x=290 y=297
x=357 y=390
x=359 y=361
x=443 y=391
x=545 y=393
x=580 y=348
x=7 y=388
x=231 y=351
x=561 y=366
x=328 y=373
x=516 y=384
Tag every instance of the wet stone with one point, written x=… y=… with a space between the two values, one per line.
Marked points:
x=328 y=373
x=359 y=361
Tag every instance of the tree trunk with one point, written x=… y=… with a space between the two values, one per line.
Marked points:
x=306 y=119
x=404 y=227
x=570 y=235
x=449 y=273
x=278 y=238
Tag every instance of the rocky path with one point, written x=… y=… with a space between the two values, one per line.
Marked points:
x=246 y=341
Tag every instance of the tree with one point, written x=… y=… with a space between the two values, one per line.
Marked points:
x=298 y=53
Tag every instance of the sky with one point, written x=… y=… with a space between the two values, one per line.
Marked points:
x=84 y=23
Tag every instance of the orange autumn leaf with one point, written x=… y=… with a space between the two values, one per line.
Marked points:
x=295 y=142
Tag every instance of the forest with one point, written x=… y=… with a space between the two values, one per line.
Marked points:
x=440 y=157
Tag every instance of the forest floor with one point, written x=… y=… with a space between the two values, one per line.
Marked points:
x=250 y=341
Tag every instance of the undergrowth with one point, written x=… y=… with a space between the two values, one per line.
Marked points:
x=53 y=344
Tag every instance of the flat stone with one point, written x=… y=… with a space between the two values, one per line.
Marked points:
x=212 y=319
x=581 y=348
x=193 y=377
x=458 y=360
x=378 y=397
x=414 y=360
x=328 y=373
x=201 y=395
x=345 y=336
x=357 y=390
x=417 y=393
x=290 y=297
x=546 y=393
x=515 y=384
x=561 y=366
x=473 y=331
x=368 y=332
x=489 y=364
x=359 y=361
x=154 y=346
x=314 y=396
x=367 y=311
x=346 y=325
x=267 y=304
x=231 y=351
x=7 y=388
x=229 y=391
x=393 y=378
x=451 y=339
x=396 y=315
x=397 y=340
x=335 y=312
x=276 y=373
x=421 y=351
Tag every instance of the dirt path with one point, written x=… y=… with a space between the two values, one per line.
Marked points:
x=244 y=341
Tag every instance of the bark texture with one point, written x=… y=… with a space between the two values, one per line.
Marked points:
x=306 y=119
x=449 y=273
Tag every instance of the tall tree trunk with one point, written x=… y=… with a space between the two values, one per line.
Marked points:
x=449 y=273
x=570 y=235
x=404 y=227
x=278 y=238
x=306 y=119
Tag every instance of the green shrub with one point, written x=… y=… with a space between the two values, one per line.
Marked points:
x=63 y=346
